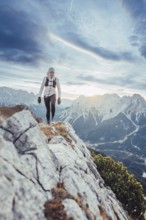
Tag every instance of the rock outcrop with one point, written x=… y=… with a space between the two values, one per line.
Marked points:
x=48 y=173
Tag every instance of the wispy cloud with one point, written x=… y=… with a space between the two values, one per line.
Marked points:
x=137 y=10
x=75 y=42
x=122 y=81
x=71 y=4
x=75 y=83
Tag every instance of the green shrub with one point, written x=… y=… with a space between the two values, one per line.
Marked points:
x=127 y=188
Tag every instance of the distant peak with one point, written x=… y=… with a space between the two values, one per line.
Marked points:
x=137 y=96
x=111 y=95
x=81 y=97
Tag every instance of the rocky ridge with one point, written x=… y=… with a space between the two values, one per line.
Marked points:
x=48 y=173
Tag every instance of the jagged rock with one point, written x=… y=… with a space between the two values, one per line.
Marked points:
x=46 y=179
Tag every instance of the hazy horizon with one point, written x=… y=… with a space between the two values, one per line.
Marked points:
x=74 y=98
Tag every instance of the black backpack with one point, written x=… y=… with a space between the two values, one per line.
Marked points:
x=47 y=81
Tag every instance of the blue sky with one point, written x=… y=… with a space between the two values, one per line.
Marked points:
x=95 y=46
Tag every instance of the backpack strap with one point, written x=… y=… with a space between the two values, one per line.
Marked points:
x=54 y=83
x=47 y=81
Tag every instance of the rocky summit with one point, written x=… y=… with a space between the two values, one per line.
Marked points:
x=46 y=172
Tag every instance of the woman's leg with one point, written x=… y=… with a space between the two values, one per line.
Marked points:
x=47 y=101
x=53 y=101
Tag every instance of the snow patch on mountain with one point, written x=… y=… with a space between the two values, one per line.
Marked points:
x=104 y=107
x=11 y=96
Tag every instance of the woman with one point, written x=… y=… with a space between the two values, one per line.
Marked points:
x=49 y=83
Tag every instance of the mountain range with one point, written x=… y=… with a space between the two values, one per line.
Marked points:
x=114 y=126
x=12 y=97
x=110 y=124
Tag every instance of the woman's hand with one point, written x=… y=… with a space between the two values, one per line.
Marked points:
x=59 y=101
x=39 y=99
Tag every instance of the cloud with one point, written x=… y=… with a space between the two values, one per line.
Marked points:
x=122 y=81
x=75 y=83
x=137 y=10
x=91 y=35
x=18 y=36
x=32 y=82
x=134 y=40
x=24 y=27
x=88 y=78
x=74 y=40
x=99 y=50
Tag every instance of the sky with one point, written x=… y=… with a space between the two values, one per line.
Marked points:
x=95 y=46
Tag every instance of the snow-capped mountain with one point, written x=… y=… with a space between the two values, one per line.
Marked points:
x=113 y=125
x=9 y=96
x=101 y=108
x=88 y=114
x=12 y=97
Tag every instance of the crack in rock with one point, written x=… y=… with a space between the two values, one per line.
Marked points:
x=59 y=168
x=54 y=159
x=28 y=150
x=96 y=174
x=60 y=173
x=22 y=142
x=115 y=211
x=37 y=172
x=13 y=208
x=5 y=129
x=17 y=170
x=18 y=137
x=25 y=146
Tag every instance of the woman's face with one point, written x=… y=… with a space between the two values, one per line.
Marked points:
x=51 y=74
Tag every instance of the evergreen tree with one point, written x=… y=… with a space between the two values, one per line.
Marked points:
x=127 y=188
